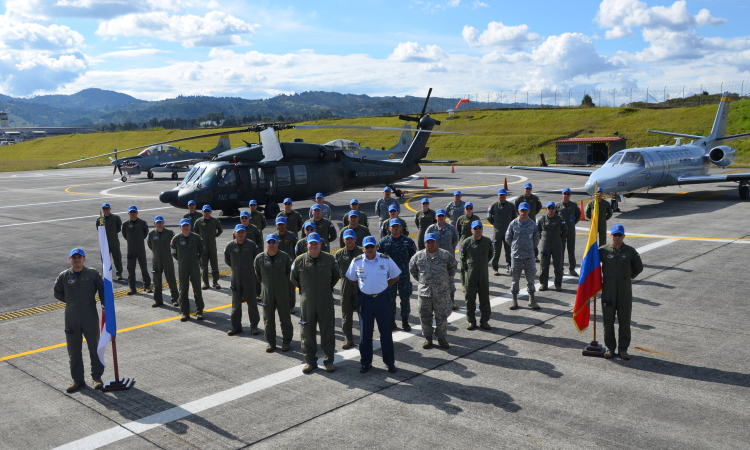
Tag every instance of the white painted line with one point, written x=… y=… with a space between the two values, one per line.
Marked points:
x=144 y=424
x=74 y=218
x=656 y=244
x=106 y=191
x=49 y=203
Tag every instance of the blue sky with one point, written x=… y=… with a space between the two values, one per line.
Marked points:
x=154 y=49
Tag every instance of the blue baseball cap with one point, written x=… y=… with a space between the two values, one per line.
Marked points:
x=281 y=219
x=457 y=193
x=132 y=208
x=244 y=214
x=191 y=202
x=431 y=236
x=287 y=200
x=354 y=201
x=440 y=212
x=313 y=237
x=469 y=204
x=618 y=229
x=600 y=190
x=394 y=221
x=566 y=191
x=319 y=195
x=425 y=200
x=502 y=191
x=387 y=189
x=316 y=206
x=369 y=240
x=184 y=222
x=527 y=186
x=239 y=227
x=353 y=213
x=551 y=204
x=76 y=251
x=106 y=205
x=158 y=219
x=272 y=237
x=206 y=208
x=253 y=202
x=392 y=208
x=309 y=223
x=350 y=234
x=525 y=206
x=477 y=224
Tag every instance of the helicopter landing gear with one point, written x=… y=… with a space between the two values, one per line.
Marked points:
x=124 y=178
x=174 y=175
x=744 y=191
x=150 y=174
x=614 y=204
x=271 y=210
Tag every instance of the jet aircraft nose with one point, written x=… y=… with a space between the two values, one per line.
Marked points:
x=590 y=186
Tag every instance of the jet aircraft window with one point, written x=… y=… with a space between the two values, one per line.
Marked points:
x=300 y=175
x=228 y=177
x=283 y=177
x=208 y=176
x=615 y=159
x=634 y=158
x=146 y=152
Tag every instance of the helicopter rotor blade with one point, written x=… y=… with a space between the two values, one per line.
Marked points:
x=408 y=118
x=364 y=127
x=424 y=108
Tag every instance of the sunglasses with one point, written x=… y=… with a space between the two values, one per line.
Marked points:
x=566 y=193
x=369 y=246
x=468 y=207
x=272 y=242
x=106 y=209
x=618 y=234
x=287 y=203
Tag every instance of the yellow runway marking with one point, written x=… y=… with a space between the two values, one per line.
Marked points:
x=703 y=197
x=68 y=189
x=671 y=195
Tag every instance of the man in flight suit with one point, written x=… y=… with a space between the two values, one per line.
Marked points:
x=158 y=241
x=192 y=214
x=476 y=253
x=385 y=228
x=256 y=217
x=553 y=231
x=239 y=255
x=423 y=219
x=113 y=225
x=301 y=247
x=383 y=206
x=287 y=242
x=324 y=228
x=209 y=228
x=253 y=233
x=272 y=271
x=523 y=237
x=500 y=214
x=135 y=231
x=324 y=209
x=187 y=249
x=354 y=206
x=77 y=287
x=455 y=209
x=534 y=203
x=463 y=226
x=316 y=273
x=349 y=291
x=293 y=218
x=571 y=214
x=605 y=213
x=360 y=231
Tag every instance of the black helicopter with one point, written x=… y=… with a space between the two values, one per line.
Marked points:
x=271 y=171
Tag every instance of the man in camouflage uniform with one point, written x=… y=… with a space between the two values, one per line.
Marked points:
x=382 y=207
x=209 y=228
x=113 y=225
x=354 y=205
x=293 y=218
x=187 y=249
x=476 y=253
x=324 y=228
x=158 y=241
x=349 y=291
x=455 y=209
x=424 y=219
x=239 y=255
x=447 y=239
x=325 y=210
x=535 y=206
x=463 y=226
x=272 y=271
x=500 y=214
x=192 y=214
x=605 y=213
x=571 y=214
x=256 y=217
x=620 y=264
x=287 y=243
x=135 y=231
x=360 y=231
x=434 y=268
x=523 y=238
x=400 y=249
x=385 y=227
x=552 y=231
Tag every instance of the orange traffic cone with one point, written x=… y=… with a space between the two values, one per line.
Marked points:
x=583 y=212
x=452 y=171
x=425 y=182
x=505 y=184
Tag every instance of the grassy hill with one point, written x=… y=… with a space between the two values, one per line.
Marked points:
x=497 y=137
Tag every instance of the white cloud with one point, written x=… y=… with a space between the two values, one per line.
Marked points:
x=413 y=52
x=478 y=4
x=95 y=9
x=454 y=3
x=500 y=36
x=215 y=29
x=32 y=36
x=618 y=32
x=621 y=15
x=132 y=53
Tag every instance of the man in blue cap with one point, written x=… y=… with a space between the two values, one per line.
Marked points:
x=605 y=213
x=325 y=210
x=113 y=225
x=209 y=228
x=158 y=241
x=308 y=228
x=434 y=268
x=523 y=237
x=455 y=209
x=382 y=206
x=571 y=214
x=552 y=230
x=349 y=292
x=447 y=239
x=354 y=206
x=135 y=231
x=253 y=233
x=463 y=226
x=360 y=231
x=192 y=214
x=373 y=273
x=385 y=228
x=400 y=248
x=324 y=228
x=500 y=214
x=423 y=219
x=239 y=255
x=475 y=254
x=256 y=217
x=293 y=218
x=287 y=244
x=620 y=264
x=187 y=249
x=78 y=287
x=272 y=271
x=535 y=206
x=316 y=273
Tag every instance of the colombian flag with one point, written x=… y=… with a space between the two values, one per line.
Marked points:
x=109 y=325
x=590 y=282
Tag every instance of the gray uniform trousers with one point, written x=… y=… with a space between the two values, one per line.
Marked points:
x=526 y=265
x=439 y=307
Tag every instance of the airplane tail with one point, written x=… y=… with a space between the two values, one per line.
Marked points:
x=222 y=146
x=720 y=122
x=417 y=146
x=403 y=141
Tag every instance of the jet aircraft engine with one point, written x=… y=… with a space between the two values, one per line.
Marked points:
x=722 y=155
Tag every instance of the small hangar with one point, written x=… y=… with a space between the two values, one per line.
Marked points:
x=587 y=151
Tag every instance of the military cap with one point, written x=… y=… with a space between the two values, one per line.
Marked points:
x=77 y=251
x=551 y=204
x=239 y=227
x=477 y=224
x=527 y=186
x=618 y=229
x=132 y=208
x=158 y=219
x=253 y=202
x=313 y=237
x=502 y=191
x=524 y=205
x=425 y=200
x=440 y=212
x=369 y=240
x=206 y=208
x=244 y=214
x=106 y=205
x=272 y=237
x=432 y=237
x=394 y=221
x=281 y=219
x=350 y=234
x=353 y=213
x=191 y=202
x=184 y=222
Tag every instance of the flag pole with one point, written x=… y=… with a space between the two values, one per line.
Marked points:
x=117 y=372
x=594 y=349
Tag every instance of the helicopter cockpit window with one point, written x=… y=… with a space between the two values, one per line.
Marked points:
x=196 y=175
x=261 y=179
x=253 y=179
x=283 y=177
x=209 y=176
x=228 y=176
x=615 y=158
x=189 y=174
x=300 y=175
x=634 y=158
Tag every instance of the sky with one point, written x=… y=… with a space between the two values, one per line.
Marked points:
x=156 y=49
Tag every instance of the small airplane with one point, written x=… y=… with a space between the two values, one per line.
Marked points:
x=160 y=158
x=639 y=169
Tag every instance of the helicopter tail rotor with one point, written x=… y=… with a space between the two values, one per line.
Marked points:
x=422 y=114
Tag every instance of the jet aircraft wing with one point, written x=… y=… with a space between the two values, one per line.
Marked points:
x=580 y=172
x=180 y=163
x=717 y=178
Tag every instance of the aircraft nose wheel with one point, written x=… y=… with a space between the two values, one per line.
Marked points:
x=124 y=178
x=174 y=175
x=271 y=210
x=150 y=175
x=615 y=208
x=744 y=192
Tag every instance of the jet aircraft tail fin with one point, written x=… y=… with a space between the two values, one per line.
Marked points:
x=720 y=122
x=222 y=146
x=403 y=141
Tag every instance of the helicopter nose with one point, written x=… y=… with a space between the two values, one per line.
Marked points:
x=168 y=196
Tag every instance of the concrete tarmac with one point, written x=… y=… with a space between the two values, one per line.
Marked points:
x=522 y=384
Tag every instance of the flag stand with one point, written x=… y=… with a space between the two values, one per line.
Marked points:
x=594 y=348
x=117 y=384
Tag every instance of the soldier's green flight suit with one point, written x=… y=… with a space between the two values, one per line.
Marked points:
x=385 y=229
x=272 y=273
x=327 y=233
x=361 y=231
x=113 y=225
x=316 y=278
x=188 y=252
x=571 y=214
x=500 y=215
x=134 y=232
x=193 y=217
x=293 y=220
x=78 y=292
x=475 y=255
x=605 y=213
x=349 y=292
x=362 y=219
x=553 y=232
x=301 y=247
x=463 y=225
x=258 y=219
x=241 y=258
x=209 y=230
x=423 y=219
x=161 y=261
x=254 y=234
x=619 y=267
x=288 y=245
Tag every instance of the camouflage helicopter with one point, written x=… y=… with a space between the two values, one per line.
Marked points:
x=271 y=171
